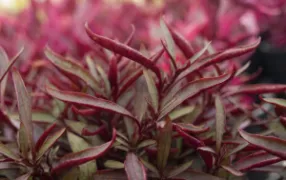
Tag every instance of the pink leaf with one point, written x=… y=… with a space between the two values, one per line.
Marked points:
x=255 y=89
x=134 y=168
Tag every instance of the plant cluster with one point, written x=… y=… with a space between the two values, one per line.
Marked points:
x=173 y=111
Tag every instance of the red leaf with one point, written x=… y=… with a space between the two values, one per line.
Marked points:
x=123 y=50
x=255 y=160
x=81 y=157
x=87 y=100
x=86 y=132
x=208 y=155
x=192 y=140
x=187 y=127
x=255 y=89
x=134 y=168
x=271 y=144
x=191 y=90
x=113 y=74
x=219 y=57
x=44 y=136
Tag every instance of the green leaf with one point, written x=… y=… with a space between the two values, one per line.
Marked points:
x=180 y=169
x=37 y=116
x=3 y=67
x=168 y=38
x=105 y=79
x=49 y=142
x=114 y=164
x=146 y=143
x=23 y=142
x=164 y=142
x=220 y=121
x=87 y=170
x=7 y=152
x=150 y=167
x=152 y=89
x=199 y=53
x=178 y=113
x=24 y=106
x=276 y=101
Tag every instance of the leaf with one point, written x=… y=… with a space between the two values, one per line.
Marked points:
x=191 y=90
x=232 y=171
x=3 y=67
x=271 y=144
x=123 y=50
x=113 y=164
x=237 y=149
x=191 y=175
x=190 y=139
x=255 y=89
x=152 y=89
x=196 y=56
x=113 y=74
x=178 y=113
x=24 y=177
x=81 y=157
x=180 y=169
x=208 y=155
x=87 y=100
x=220 y=121
x=150 y=167
x=242 y=69
x=276 y=101
x=181 y=42
x=5 y=71
x=7 y=152
x=187 y=127
x=255 y=160
x=72 y=68
x=134 y=168
x=216 y=58
x=146 y=143
x=164 y=142
x=44 y=136
x=23 y=142
x=168 y=38
x=49 y=141
x=86 y=170
x=24 y=106
x=105 y=79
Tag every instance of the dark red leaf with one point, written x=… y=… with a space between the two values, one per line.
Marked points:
x=255 y=160
x=192 y=140
x=187 y=127
x=208 y=155
x=123 y=50
x=255 y=89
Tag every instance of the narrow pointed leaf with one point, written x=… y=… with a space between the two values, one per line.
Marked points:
x=134 y=168
x=255 y=160
x=123 y=50
x=24 y=106
x=276 y=101
x=178 y=113
x=150 y=167
x=7 y=152
x=271 y=144
x=216 y=58
x=72 y=68
x=187 y=127
x=87 y=100
x=199 y=53
x=81 y=157
x=180 y=169
x=14 y=59
x=49 y=142
x=232 y=171
x=114 y=164
x=220 y=121
x=191 y=90
x=152 y=89
x=146 y=143
x=256 y=89
x=168 y=38
x=44 y=136
x=164 y=142
x=23 y=142
x=24 y=177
